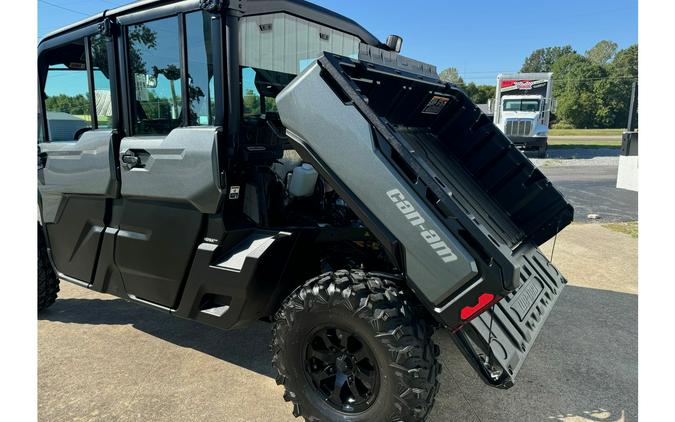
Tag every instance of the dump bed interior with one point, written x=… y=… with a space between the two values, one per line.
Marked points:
x=488 y=176
x=467 y=192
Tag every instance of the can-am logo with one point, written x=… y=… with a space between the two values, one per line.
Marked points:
x=416 y=220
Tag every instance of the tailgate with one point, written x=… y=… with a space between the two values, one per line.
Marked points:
x=497 y=342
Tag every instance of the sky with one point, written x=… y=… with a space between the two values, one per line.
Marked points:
x=481 y=38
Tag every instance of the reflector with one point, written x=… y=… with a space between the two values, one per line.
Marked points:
x=483 y=300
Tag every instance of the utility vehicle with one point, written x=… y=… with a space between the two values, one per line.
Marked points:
x=271 y=160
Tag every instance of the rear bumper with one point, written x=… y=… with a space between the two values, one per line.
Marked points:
x=530 y=142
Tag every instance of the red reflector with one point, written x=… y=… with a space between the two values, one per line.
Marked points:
x=484 y=300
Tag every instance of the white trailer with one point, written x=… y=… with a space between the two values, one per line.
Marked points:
x=522 y=109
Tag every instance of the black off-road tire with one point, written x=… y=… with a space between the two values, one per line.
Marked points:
x=47 y=281
x=374 y=309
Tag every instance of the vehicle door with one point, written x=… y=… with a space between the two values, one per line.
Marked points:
x=77 y=174
x=169 y=161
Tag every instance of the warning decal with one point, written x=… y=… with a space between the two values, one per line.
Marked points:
x=435 y=105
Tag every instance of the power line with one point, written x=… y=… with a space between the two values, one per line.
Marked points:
x=562 y=78
x=63 y=8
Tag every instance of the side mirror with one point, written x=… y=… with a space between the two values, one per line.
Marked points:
x=554 y=105
x=491 y=104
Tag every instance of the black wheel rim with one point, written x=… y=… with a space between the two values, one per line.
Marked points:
x=342 y=369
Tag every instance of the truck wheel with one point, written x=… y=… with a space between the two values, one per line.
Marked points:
x=541 y=153
x=347 y=347
x=47 y=281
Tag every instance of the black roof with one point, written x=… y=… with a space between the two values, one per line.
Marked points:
x=299 y=8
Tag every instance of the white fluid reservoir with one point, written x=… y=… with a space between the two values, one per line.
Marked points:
x=303 y=181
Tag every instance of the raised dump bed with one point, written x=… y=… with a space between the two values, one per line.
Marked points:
x=437 y=124
x=441 y=186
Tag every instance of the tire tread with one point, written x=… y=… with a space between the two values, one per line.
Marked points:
x=379 y=301
x=48 y=282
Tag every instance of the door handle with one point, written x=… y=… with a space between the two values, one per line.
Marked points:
x=42 y=160
x=130 y=159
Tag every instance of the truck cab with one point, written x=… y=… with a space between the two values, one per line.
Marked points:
x=523 y=109
x=523 y=115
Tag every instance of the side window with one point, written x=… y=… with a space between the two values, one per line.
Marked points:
x=99 y=67
x=200 y=68
x=154 y=65
x=251 y=96
x=259 y=90
x=66 y=93
x=67 y=96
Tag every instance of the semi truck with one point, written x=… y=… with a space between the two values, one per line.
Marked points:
x=522 y=109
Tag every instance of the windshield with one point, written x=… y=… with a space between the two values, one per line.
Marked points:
x=521 y=105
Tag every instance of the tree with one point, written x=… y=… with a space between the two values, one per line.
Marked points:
x=625 y=63
x=479 y=94
x=593 y=90
x=602 y=52
x=77 y=105
x=172 y=73
x=575 y=86
x=485 y=92
x=542 y=60
x=251 y=102
x=623 y=71
x=451 y=75
x=140 y=37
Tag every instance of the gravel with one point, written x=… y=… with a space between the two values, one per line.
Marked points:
x=559 y=157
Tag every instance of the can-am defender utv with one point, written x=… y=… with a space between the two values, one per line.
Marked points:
x=229 y=162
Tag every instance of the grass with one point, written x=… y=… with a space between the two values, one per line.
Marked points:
x=551 y=162
x=630 y=228
x=583 y=143
x=585 y=132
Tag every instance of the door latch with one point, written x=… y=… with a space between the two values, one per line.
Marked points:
x=130 y=159
x=42 y=159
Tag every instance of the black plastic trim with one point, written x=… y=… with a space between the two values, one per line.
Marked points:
x=183 y=58
x=231 y=87
x=90 y=82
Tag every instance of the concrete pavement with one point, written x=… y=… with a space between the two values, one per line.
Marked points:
x=101 y=358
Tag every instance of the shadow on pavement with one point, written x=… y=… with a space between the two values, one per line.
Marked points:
x=246 y=347
x=583 y=367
